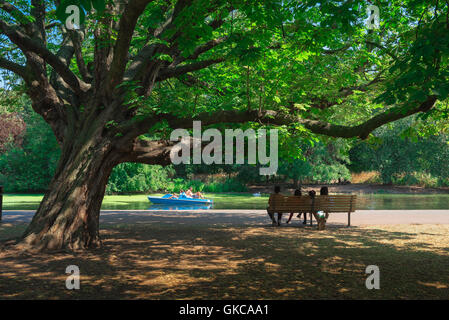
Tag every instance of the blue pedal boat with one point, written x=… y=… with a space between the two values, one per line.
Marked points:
x=181 y=200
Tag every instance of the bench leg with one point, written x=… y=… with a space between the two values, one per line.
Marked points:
x=349 y=219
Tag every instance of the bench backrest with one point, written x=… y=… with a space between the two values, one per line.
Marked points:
x=330 y=203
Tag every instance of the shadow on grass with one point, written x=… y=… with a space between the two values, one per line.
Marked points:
x=163 y=261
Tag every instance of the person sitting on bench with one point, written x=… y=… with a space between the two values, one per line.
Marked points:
x=312 y=194
x=276 y=196
x=298 y=194
x=324 y=191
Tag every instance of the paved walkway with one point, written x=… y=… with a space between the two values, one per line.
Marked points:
x=249 y=217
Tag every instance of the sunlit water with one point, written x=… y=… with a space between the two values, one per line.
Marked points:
x=364 y=202
x=402 y=202
x=243 y=201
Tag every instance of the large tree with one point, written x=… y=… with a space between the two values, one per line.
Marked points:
x=309 y=65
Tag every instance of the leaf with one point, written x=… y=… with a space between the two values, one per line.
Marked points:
x=419 y=96
x=99 y=5
x=86 y=4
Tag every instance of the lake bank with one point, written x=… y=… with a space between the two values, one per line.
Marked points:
x=354 y=188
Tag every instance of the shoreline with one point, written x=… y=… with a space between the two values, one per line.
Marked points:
x=354 y=188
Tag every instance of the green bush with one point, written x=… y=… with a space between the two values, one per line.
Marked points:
x=323 y=162
x=30 y=167
x=228 y=185
x=407 y=179
x=136 y=177
x=330 y=173
x=404 y=158
x=249 y=173
x=422 y=179
x=443 y=182
x=176 y=185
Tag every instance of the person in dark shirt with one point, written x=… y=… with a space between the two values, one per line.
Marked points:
x=298 y=193
x=312 y=194
x=274 y=197
x=324 y=191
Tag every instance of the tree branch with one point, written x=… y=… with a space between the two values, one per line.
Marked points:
x=65 y=54
x=316 y=126
x=13 y=67
x=38 y=12
x=171 y=72
x=200 y=50
x=13 y=11
x=126 y=29
x=52 y=25
x=26 y=44
x=77 y=37
x=323 y=103
x=149 y=152
x=191 y=81
x=375 y=44
x=140 y=62
x=349 y=45
x=157 y=152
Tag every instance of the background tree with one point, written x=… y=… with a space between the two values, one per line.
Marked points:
x=12 y=126
x=406 y=153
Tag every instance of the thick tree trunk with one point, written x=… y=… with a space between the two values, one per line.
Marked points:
x=68 y=216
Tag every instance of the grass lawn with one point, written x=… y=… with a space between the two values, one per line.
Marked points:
x=140 y=201
x=250 y=262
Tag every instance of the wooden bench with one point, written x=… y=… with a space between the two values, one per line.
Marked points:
x=302 y=204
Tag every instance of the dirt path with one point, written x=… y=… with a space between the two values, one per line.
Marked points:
x=186 y=256
x=237 y=254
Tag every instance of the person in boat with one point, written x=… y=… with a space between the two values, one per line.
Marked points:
x=174 y=196
x=276 y=196
x=189 y=192
x=195 y=195
x=198 y=195
x=177 y=196
x=182 y=194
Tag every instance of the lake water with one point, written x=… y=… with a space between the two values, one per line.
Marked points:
x=364 y=202
x=247 y=201
x=402 y=202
